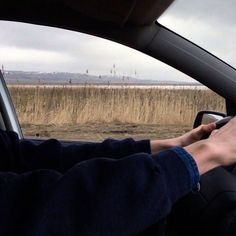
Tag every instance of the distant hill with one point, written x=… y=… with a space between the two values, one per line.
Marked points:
x=63 y=78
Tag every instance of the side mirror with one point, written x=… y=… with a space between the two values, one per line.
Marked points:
x=206 y=117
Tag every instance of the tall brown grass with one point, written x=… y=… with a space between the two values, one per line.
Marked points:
x=72 y=105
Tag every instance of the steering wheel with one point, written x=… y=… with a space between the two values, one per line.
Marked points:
x=223 y=121
x=204 y=212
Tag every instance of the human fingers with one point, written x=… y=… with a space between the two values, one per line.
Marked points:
x=203 y=130
x=208 y=128
x=196 y=134
x=228 y=128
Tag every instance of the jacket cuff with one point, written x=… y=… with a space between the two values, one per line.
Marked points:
x=189 y=163
x=143 y=146
x=180 y=171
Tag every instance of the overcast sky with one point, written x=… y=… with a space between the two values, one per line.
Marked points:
x=209 y=23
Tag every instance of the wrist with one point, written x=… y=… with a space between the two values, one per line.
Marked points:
x=204 y=154
x=160 y=145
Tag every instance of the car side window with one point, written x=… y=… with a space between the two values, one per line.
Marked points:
x=69 y=85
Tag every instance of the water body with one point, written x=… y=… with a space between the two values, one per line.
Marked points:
x=163 y=86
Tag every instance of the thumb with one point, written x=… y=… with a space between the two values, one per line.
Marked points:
x=208 y=128
x=205 y=130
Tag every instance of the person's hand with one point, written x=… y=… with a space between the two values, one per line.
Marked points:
x=184 y=140
x=195 y=135
x=224 y=142
x=218 y=150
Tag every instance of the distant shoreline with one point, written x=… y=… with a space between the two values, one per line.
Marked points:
x=78 y=79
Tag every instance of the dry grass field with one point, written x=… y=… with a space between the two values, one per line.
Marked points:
x=92 y=112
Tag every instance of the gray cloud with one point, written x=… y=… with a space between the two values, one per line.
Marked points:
x=49 y=49
x=209 y=11
x=41 y=38
x=211 y=24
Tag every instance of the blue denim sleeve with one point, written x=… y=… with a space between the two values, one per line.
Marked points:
x=190 y=164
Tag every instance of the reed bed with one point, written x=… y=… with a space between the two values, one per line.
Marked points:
x=91 y=104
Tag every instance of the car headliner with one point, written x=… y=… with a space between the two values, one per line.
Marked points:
x=72 y=13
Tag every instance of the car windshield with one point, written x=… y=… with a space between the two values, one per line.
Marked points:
x=209 y=24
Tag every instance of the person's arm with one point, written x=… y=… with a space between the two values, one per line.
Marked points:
x=218 y=150
x=52 y=154
x=184 y=140
x=24 y=155
x=118 y=197
x=98 y=196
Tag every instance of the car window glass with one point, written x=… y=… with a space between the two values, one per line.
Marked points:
x=69 y=85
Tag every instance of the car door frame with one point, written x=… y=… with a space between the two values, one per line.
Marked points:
x=9 y=120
